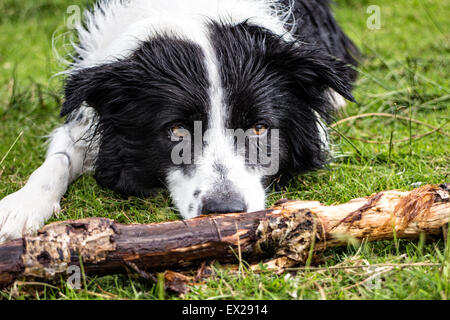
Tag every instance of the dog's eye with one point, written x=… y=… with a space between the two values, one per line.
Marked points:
x=178 y=131
x=260 y=129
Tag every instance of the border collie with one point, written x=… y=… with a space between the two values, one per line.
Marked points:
x=151 y=75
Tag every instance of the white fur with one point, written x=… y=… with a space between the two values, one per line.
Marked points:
x=25 y=211
x=116 y=27
x=337 y=100
x=69 y=155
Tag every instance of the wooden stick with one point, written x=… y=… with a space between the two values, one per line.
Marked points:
x=290 y=231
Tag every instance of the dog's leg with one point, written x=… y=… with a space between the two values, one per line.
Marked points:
x=71 y=153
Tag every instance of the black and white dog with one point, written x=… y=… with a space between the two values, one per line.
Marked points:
x=148 y=73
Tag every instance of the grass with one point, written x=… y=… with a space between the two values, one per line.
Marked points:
x=404 y=73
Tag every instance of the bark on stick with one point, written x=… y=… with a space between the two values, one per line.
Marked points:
x=286 y=232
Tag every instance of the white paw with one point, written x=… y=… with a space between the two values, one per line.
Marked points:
x=24 y=212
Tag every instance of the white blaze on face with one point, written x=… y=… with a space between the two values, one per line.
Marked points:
x=218 y=168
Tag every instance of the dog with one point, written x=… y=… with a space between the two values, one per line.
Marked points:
x=156 y=86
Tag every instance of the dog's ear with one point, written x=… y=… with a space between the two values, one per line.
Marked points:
x=312 y=68
x=305 y=64
x=320 y=70
x=87 y=85
x=311 y=71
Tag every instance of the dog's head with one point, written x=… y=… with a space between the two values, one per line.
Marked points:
x=213 y=121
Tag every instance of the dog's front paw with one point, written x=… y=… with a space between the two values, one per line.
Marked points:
x=24 y=212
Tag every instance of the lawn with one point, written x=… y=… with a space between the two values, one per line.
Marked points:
x=404 y=73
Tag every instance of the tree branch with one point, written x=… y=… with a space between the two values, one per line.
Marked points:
x=289 y=232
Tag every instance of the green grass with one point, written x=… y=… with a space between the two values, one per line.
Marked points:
x=405 y=72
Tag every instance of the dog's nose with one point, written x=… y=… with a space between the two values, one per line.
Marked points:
x=229 y=204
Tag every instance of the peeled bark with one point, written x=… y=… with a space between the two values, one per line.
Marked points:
x=288 y=231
